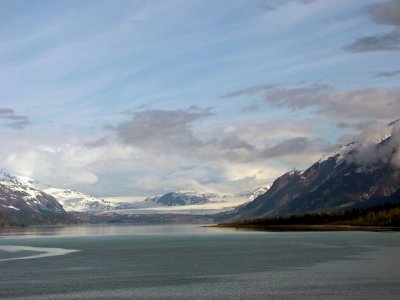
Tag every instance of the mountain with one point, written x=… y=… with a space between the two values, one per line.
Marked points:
x=353 y=176
x=24 y=204
x=251 y=195
x=73 y=201
x=22 y=181
x=180 y=198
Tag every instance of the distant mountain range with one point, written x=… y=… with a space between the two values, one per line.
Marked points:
x=353 y=176
x=182 y=197
x=24 y=200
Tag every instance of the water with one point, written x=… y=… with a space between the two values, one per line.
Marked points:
x=192 y=262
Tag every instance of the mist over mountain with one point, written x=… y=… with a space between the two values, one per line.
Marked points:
x=356 y=175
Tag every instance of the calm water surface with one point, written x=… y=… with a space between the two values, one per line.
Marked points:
x=193 y=262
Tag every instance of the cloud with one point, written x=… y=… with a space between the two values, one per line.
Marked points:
x=234 y=143
x=252 y=107
x=69 y=164
x=386 y=13
x=244 y=141
x=97 y=143
x=370 y=103
x=297 y=98
x=386 y=73
x=366 y=103
x=359 y=126
x=388 y=41
x=163 y=129
x=294 y=146
x=249 y=91
x=173 y=133
x=387 y=152
x=276 y=4
x=13 y=120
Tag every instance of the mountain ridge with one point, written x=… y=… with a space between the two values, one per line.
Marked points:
x=24 y=204
x=352 y=176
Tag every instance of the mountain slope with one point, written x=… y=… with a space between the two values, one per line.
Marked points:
x=20 y=204
x=77 y=201
x=181 y=198
x=342 y=180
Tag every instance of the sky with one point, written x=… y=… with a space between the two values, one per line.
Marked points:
x=139 y=98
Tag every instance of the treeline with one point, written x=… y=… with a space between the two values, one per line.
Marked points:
x=3 y=223
x=383 y=215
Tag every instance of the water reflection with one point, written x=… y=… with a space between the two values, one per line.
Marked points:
x=110 y=229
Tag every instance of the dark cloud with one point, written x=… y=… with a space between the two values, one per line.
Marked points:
x=276 y=4
x=13 y=120
x=109 y=127
x=249 y=91
x=4 y=112
x=395 y=122
x=388 y=41
x=98 y=143
x=174 y=132
x=18 y=124
x=386 y=73
x=385 y=13
x=297 y=98
x=294 y=146
x=253 y=107
x=342 y=125
x=367 y=103
x=360 y=126
x=163 y=129
x=235 y=143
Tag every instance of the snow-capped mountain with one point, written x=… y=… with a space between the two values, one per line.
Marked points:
x=180 y=198
x=18 y=197
x=22 y=203
x=352 y=176
x=251 y=195
x=258 y=192
x=74 y=201
x=22 y=181
x=69 y=200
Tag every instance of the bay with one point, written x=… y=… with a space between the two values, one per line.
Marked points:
x=194 y=262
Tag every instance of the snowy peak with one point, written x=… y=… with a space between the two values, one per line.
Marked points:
x=17 y=197
x=77 y=201
x=181 y=197
x=341 y=153
x=31 y=190
x=22 y=180
x=251 y=195
x=259 y=191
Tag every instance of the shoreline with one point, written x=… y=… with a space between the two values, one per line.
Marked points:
x=294 y=228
